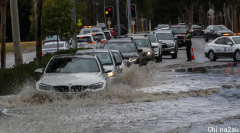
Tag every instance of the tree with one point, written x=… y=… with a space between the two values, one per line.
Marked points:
x=3 y=5
x=57 y=18
x=16 y=33
x=38 y=12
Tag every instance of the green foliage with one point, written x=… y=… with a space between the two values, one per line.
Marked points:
x=57 y=18
x=13 y=79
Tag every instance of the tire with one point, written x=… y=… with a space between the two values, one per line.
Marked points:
x=206 y=38
x=174 y=56
x=159 y=59
x=140 y=62
x=211 y=56
x=237 y=55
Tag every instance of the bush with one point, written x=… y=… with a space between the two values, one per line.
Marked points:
x=13 y=79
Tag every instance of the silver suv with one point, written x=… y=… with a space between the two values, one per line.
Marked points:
x=168 y=41
x=90 y=29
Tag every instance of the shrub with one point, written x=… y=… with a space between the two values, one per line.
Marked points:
x=13 y=79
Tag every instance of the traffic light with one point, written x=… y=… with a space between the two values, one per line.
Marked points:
x=133 y=10
x=109 y=12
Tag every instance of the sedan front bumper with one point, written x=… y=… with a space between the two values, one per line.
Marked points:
x=169 y=51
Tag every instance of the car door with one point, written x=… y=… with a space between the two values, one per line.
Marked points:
x=219 y=46
x=228 y=49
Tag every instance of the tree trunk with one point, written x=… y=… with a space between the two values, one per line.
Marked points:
x=3 y=36
x=201 y=14
x=38 y=32
x=16 y=33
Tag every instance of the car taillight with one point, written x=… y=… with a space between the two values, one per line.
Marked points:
x=109 y=37
x=42 y=54
x=206 y=45
x=92 y=42
x=104 y=41
x=124 y=28
x=44 y=42
x=70 y=43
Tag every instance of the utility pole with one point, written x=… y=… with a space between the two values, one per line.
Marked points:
x=104 y=11
x=129 y=16
x=3 y=6
x=118 y=19
x=16 y=33
x=74 y=38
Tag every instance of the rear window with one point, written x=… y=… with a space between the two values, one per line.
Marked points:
x=51 y=38
x=84 y=39
x=104 y=57
x=52 y=45
x=98 y=37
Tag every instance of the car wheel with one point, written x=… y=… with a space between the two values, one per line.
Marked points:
x=211 y=56
x=237 y=56
x=140 y=62
x=159 y=58
x=206 y=38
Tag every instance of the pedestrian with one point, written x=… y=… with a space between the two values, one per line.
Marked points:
x=188 y=40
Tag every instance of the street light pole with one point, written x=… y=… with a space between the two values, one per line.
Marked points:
x=118 y=19
x=129 y=17
x=74 y=38
x=104 y=11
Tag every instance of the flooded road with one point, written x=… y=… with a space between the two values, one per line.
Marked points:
x=194 y=100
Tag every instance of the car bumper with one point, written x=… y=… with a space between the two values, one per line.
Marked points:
x=169 y=51
x=206 y=54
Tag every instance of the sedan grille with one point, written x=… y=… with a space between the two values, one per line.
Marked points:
x=78 y=88
x=164 y=46
x=61 y=88
x=180 y=37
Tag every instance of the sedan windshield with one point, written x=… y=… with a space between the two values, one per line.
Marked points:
x=72 y=65
x=104 y=57
x=52 y=45
x=236 y=40
x=51 y=38
x=164 y=36
x=142 y=42
x=196 y=27
x=181 y=30
x=152 y=38
x=162 y=26
x=220 y=27
x=121 y=46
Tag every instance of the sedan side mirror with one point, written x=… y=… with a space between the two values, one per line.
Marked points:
x=155 y=28
x=175 y=38
x=160 y=41
x=39 y=71
x=140 y=50
x=118 y=63
x=230 y=43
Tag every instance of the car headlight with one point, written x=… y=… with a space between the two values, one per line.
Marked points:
x=111 y=74
x=96 y=86
x=156 y=52
x=203 y=30
x=44 y=87
x=219 y=34
x=132 y=59
x=170 y=44
x=192 y=30
x=148 y=53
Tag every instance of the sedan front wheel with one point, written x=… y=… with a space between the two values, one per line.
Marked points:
x=211 y=56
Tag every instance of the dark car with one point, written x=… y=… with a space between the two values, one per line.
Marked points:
x=128 y=48
x=123 y=29
x=215 y=31
x=196 y=30
x=179 y=31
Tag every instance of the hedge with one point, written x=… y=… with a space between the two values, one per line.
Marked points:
x=13 y=79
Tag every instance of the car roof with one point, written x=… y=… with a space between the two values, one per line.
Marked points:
x=163 y=31
x=93 y=50
x=179 y=26
x=55 y=42
x=217 y=25
x=120 y=40
x=139 y=37
x=96 y=33
x=85 y=35
x=75 y=56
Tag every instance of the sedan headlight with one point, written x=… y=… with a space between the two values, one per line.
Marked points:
x=203 y=30
x=219 y=34
x=192 y=30
x=132 y=59
x=170 y=44
x=96 y=86
x=44 y=87
x=111 y=74
x=148 y=53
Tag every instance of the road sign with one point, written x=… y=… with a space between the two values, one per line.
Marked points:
x=133 y=22
x=211 y=11
x=79 y=23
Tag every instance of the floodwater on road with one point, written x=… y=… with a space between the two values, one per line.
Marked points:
x=194 y=100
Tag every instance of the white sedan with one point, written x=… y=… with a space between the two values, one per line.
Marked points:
x=223 y=47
